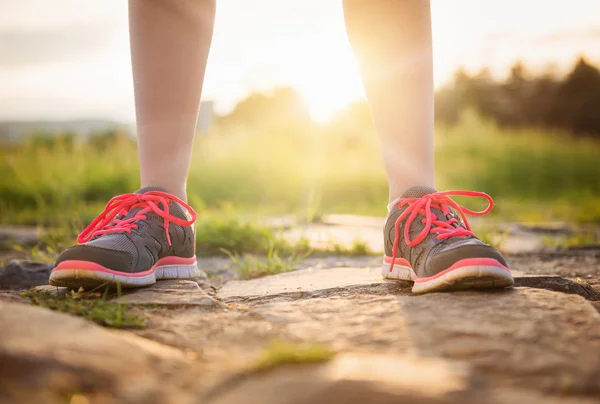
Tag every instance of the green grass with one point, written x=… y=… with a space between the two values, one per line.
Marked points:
x=533 y=176
x=255 y=248
x=357 y=249
x=302 y=169
x=280 y=353
x=250 y=266
x=224 y=230
x=491 y=234
x=91 y=305
x=585 y=236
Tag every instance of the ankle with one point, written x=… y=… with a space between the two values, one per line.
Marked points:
x=178 y=191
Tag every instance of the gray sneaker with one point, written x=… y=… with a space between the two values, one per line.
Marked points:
x=138 y=239
x=428 y=240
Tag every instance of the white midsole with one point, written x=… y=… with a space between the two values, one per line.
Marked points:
x=190 y=271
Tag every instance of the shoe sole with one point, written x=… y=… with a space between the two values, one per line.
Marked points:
x=89 y=275
x=467 y=274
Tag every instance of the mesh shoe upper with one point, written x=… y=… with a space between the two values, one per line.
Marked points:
x=432 y=254
x=143 y=244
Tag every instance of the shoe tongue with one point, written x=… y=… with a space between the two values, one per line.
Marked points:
x=175 y=209
x=418 y=191
x=148 y=189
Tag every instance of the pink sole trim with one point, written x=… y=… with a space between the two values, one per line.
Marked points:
x=488 y=262
x=92 y=266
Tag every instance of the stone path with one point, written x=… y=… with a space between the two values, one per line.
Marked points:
x=536 y=343
x=47 y=356
x=525 y=343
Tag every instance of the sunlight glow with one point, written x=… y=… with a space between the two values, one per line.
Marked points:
x=72 y=61
x=332 y=86
x=329 y=80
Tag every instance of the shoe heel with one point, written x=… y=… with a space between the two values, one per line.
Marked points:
x=398 y=272
x=190 y=271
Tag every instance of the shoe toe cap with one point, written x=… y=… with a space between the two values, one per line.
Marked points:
x=445 y=259
x=110 y=259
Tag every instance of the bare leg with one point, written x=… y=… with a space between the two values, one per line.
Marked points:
x=170 y=40
x=392 y=42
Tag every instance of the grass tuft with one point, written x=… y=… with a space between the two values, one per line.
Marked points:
x=280 y=353
x=223 y=230
x=89 y=305
x=250 y=266
x=586 y=236
x=358 y=248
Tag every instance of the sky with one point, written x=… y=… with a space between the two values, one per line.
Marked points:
x=70 y=60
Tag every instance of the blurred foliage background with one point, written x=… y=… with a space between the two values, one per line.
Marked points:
x=530 y=141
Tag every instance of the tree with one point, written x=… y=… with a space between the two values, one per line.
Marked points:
x=577 y=100
x=281 y=105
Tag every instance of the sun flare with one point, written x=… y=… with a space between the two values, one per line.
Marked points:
x=329 y=82
x=324 y=71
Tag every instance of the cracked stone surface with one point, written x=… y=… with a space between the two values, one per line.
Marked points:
x=374 y=379
x=301 y=281
x=536 y=343
x=583 y=263
x=503 y=346
x=354 y=378
x=308 y=282
x=165 y=293
x=523 y=341
x=170 y=292
x=527 y=340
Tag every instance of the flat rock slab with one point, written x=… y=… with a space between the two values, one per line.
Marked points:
x=47 y=355
x=301 y=281
x=374 y=379
x=171 y=292
x=162 y=293
x=536 y=338
x=351 y=379
x=18 y=235
x=24 y=274
x=310 y=280
x=523 y=337
x=526 y=342
x=518 y=338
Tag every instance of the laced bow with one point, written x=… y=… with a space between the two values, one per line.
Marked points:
x=449 y=227
x=153 y=201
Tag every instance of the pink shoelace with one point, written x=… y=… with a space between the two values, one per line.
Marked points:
x=443 y=228
x=153 y=201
